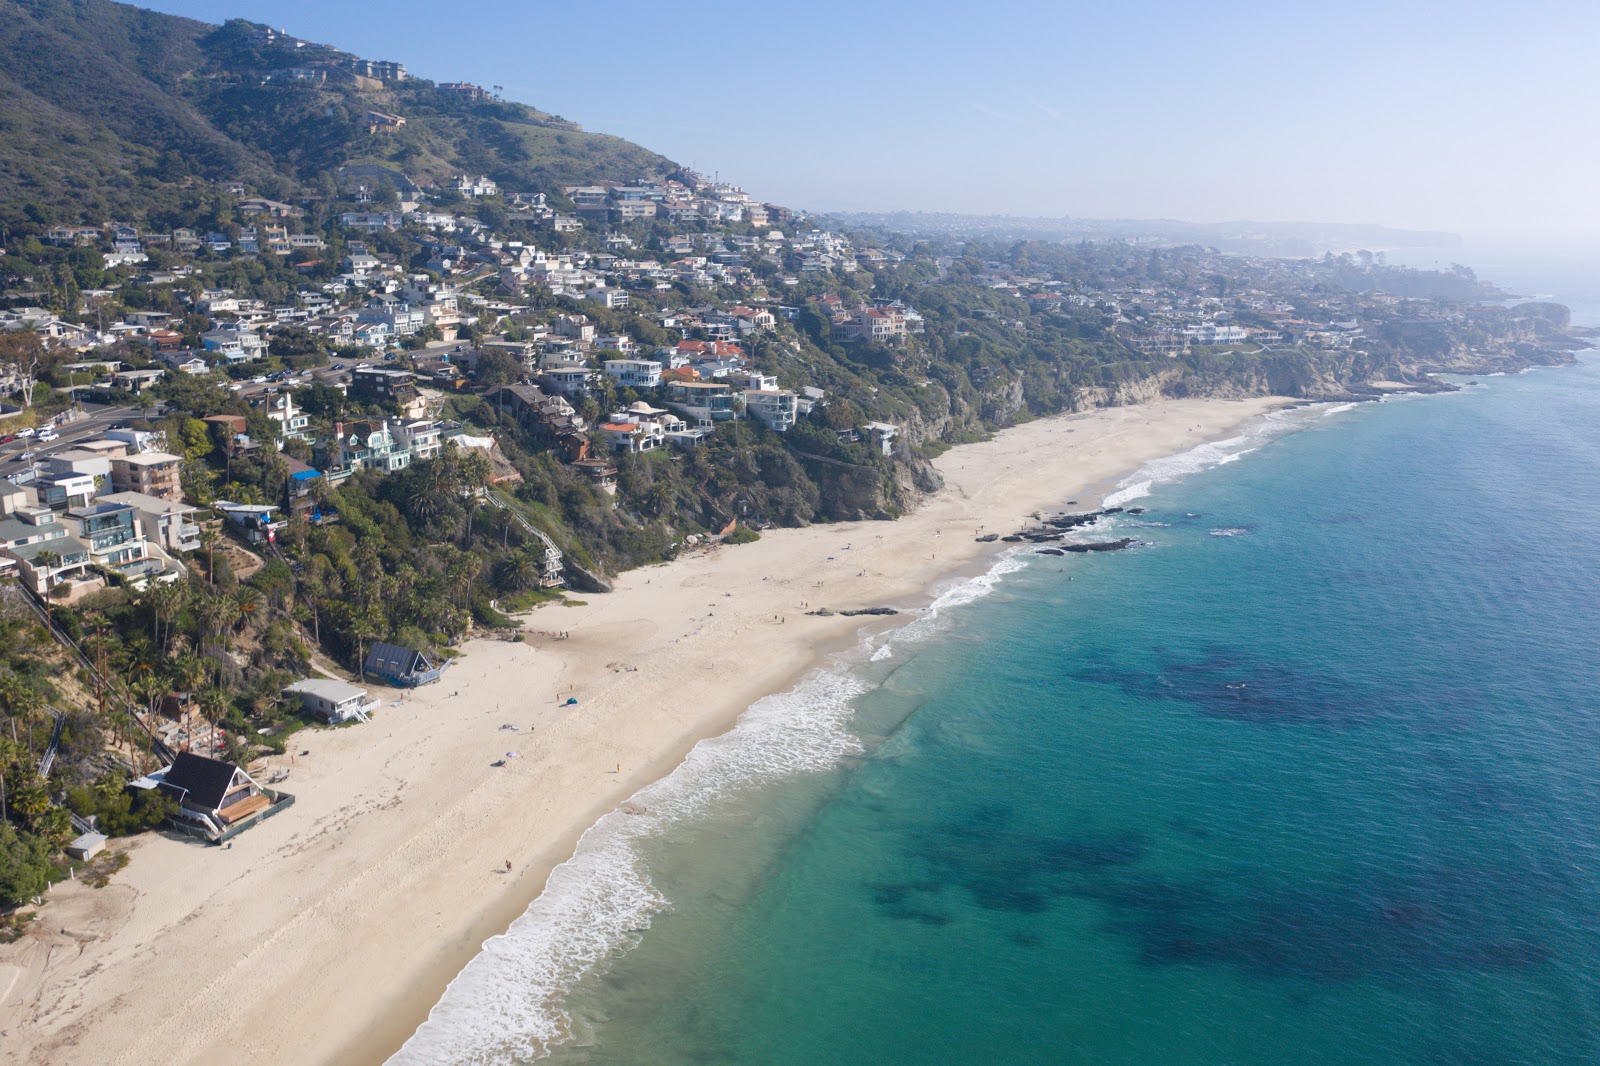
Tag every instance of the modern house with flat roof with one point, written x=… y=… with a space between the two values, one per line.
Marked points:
x=703 y=402
x=116 y=540
x=776 y=408
x=165 y=522
x=151 y=473
x=634 y=373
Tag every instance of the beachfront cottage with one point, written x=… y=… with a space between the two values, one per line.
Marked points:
x=401 y=666
x=332 y=701
x=213 y=794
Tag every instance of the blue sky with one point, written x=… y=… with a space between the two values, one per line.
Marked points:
x=1471 y=117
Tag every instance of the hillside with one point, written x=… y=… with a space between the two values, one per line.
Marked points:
x=108 y=111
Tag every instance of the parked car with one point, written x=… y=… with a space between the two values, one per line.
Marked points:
x=259 y=380
x=8 y=438
x=26 y=431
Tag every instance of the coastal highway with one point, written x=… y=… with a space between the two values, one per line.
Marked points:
x=90 y=423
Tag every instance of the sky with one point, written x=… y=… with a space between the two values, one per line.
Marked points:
x=1471 y=117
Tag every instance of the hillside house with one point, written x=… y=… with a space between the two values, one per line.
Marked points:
x=151 y=473
x=703 y=402
x=634 y=373
x=166 y=523
x=775 y=408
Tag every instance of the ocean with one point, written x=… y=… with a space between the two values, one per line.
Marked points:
x=1312 y=773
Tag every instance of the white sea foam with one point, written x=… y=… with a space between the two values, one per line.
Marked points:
x=1338 y=408
x=1127 y=493
x=508 y=1005
x=1177 y=467
x=1144 y=481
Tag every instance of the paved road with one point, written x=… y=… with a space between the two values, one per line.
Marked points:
x=92 y=424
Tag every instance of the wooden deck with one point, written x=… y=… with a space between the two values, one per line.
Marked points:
x=245 y=808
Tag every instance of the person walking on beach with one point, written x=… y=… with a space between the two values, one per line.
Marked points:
x=508 y=866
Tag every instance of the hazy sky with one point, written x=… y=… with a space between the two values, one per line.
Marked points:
x=1466 y=116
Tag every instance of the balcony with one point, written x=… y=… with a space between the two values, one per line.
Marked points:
x=187 y=538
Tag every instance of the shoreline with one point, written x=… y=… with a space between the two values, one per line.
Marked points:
x=329 y=934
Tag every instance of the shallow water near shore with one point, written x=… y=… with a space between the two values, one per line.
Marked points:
x=1312 y=772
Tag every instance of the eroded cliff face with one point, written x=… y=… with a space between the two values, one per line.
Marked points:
x=1406 y=356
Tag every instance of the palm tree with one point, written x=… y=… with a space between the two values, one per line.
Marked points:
x=248 y=602
x=8 y=755
x=475 y=473
x=22 y=701
x=209 y=539
x=190 y=672
x=429 y=492
x=313 y=591
x=47 y=561
x=521 y=570
x=365 y=624
x=166 y=600
x=213 y=705
x=150 y=689
x=32 y=800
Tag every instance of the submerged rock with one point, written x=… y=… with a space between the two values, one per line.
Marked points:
x=1102 y=546
x=1050 y=551
x=869 y=610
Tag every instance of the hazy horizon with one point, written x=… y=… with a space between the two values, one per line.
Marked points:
x=1438 y=117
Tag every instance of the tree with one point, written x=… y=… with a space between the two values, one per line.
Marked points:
x=23 y=352
x=166 y=600
x=47 y=561
x=475 y=473
x=248 y=602
x=24 y=866
x=209 y=539
x=365 y=624
x=213 y=706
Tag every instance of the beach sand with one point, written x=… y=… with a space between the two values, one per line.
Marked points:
x=326 y=934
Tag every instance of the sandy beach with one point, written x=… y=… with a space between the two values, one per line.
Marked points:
x=326 y=934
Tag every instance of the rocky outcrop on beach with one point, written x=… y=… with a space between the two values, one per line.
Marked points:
x=824 y=612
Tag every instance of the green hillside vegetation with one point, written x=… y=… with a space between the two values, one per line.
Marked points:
x=110 y=112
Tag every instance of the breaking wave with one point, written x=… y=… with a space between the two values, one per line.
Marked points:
x=1213 y=453
x=509 y=1003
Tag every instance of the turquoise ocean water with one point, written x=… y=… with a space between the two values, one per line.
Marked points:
x=1311 y=775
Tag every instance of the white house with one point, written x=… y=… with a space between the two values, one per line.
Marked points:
x=882 y=435
x=333 y=701
x=777 y=408
x=634 y=373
